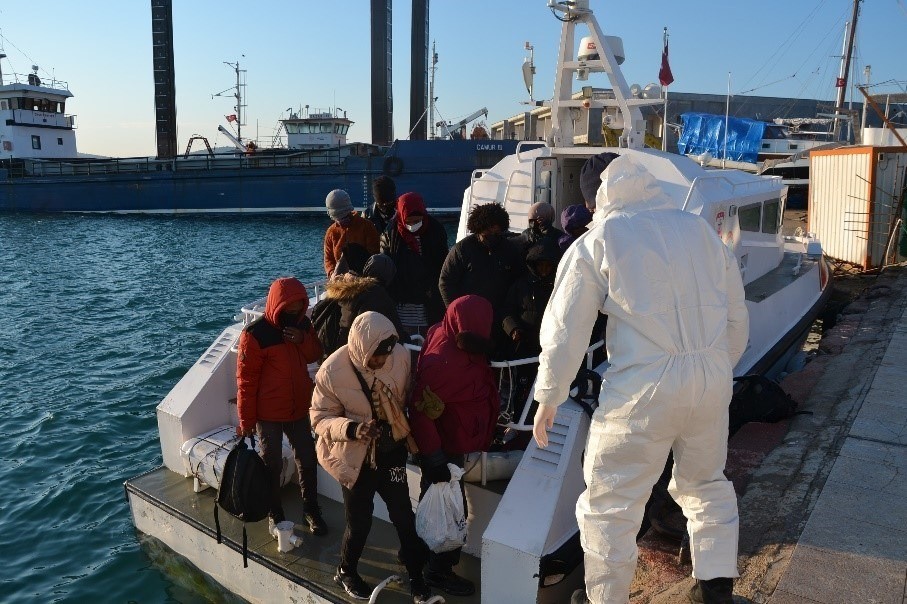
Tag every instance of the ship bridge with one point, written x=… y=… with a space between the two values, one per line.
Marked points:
x=33 y=122
x=317 y=129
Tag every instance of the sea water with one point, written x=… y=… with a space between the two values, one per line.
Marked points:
x=101 y=316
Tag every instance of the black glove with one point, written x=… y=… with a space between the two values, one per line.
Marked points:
x=436 y=474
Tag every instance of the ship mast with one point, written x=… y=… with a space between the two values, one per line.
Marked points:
x=841 y=84
x=431 y=93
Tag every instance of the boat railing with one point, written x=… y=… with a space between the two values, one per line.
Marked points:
x=132 y=165
x=737 y=188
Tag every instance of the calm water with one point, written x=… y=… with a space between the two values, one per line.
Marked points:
x=101 y=317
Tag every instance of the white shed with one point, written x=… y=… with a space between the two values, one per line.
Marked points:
x=856 y=196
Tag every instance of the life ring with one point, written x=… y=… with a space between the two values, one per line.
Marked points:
x=393 y=166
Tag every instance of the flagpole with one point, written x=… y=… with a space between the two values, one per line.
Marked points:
x=727 y=111
x=664 y=121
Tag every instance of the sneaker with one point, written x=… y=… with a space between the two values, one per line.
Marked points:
x=450 y=583
x=353 y=584
x=579 y=597
x=419 y=590
x=713 y=591
x=315 y=522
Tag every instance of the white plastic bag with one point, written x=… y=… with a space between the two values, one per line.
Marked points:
x=440 y=518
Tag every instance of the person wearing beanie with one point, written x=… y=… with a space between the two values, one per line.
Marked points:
x=575 y=220
x=541 y=228
x=590 y=177
x=348 y=227
x=381 y=212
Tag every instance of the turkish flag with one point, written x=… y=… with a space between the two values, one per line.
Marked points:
x=231 y=117
x=664 y=74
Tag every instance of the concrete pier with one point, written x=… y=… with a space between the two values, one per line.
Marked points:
x=823 y=518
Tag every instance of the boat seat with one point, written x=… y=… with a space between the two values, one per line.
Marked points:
x=204 y=457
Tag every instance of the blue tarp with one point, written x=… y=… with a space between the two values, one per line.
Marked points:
x=705 y=132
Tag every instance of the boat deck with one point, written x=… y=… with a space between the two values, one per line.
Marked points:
x=310 y=566
x=780 y=277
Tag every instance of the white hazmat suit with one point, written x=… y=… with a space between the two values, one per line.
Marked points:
x=677 y=325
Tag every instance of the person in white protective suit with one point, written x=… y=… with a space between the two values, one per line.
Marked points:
x=677 y=325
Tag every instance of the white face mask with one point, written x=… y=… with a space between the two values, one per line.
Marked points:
x=412 y=228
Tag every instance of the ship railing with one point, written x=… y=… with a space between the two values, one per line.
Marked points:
x=135 y=165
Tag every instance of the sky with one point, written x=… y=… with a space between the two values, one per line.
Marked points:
x=312 y=53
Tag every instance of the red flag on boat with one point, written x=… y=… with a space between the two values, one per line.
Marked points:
x=231 y=117
x=664 y=74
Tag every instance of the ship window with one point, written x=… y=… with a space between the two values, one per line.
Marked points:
x=771 y=216
x=336 y=128
x=794 y=146
x=4 y=104
x=749 y=218
x=345 y=129
x=326 y=127
x=766 y=145
x=35 y=141
x=59 y=141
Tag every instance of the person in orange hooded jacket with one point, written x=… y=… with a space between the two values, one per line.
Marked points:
x=274 y=391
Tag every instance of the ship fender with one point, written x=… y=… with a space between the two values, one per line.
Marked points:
x=393 y=166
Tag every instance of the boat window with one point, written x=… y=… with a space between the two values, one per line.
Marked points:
x=336 y=128
x=749 y=217
x=59 y=141
x=35 y=141
x=344 y=129
x=326 y=127
x=771 y=216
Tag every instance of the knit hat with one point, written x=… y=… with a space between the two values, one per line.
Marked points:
x=381 y=267
x=541 y=211
x=590 y=177
x=338 y=204
x=576 y=216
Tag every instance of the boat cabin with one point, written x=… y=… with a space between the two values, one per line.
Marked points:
x=33 y=122
x=316 y=130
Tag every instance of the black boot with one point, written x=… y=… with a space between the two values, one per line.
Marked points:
x=419 y=590
x=450 y=583
x=353 y=584
x=713 y=591
x=311 y=513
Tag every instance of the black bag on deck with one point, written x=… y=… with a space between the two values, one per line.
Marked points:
x=759 y=399
x=245 y=491
x=326 y=320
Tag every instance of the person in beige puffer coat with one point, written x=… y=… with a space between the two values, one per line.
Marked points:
x=357 y=413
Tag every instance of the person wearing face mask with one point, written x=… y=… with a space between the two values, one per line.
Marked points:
x=417 y=243
x=541 y=227
x=274 y=391
x=348 y=227
x=485 y=263
x=357 y=412
x=381 y=212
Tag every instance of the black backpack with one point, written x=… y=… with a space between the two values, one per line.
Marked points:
x=245 y=490
x=759 y=399
x=326 y=316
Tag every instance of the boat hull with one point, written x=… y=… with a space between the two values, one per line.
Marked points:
x=264 y=184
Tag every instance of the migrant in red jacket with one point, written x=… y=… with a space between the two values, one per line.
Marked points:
x=452 y=365
x=272 y=375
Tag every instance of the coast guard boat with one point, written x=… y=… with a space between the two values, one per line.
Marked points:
x=523 y=541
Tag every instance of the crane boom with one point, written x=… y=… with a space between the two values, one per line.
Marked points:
x=452 y=130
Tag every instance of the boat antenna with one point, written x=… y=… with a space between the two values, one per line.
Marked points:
x=431 y=92
x=529 y=70
x=238 y=92
x=841 y=83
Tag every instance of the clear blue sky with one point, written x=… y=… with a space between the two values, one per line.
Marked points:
x=304 y=52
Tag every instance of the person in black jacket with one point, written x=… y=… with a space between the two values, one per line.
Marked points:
x=525 y=305
x=485 y=263
x=541 y=228
x=356 y=294
x=381 y=212
x=417 y=243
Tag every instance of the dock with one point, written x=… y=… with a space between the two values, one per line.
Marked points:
x=823 y=516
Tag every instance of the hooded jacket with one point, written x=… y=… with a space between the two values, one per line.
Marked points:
x=416 y=281
x=462 y=380
x=672 y=292
x=339 y=404
x=356 y=295
x=528 y=297
x=272 y=375
x=472 y=267
x=359 y=230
